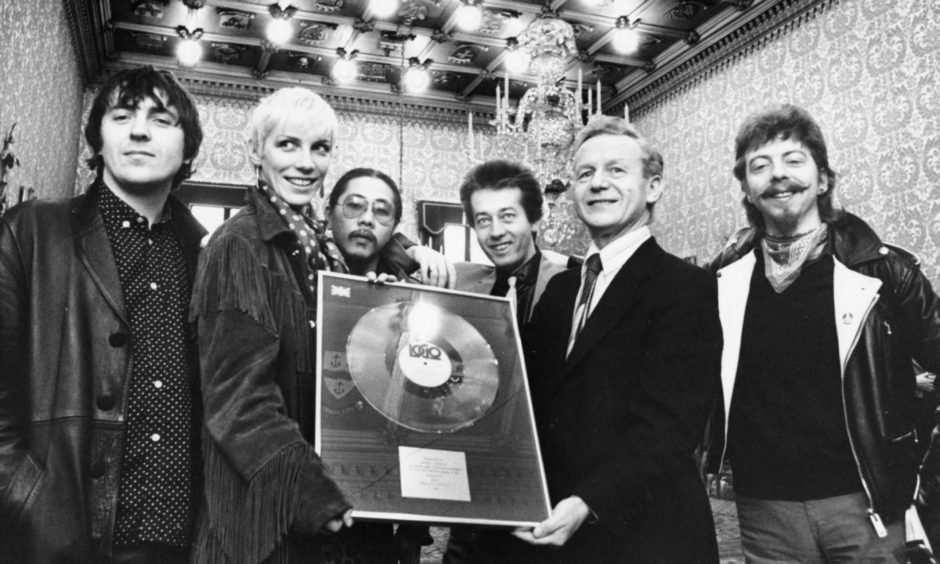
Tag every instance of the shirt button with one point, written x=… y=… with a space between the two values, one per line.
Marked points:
x=157 y=384
x=313 y=324
x=153 y=285
x=97 y=469
x=155 y=437
x=105 y=403
x=117 y=339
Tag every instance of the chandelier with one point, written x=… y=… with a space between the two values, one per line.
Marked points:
x=540 y=130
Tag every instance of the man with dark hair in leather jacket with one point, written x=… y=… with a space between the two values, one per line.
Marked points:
x=820 y=321
x=99 y=410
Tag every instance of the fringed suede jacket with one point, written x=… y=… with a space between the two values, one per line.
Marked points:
x=267 y=493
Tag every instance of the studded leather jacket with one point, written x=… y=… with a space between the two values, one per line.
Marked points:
x=886 y=314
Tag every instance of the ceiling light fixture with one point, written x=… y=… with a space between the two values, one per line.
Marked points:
x=513 y=26
x=345 y=69
x=279 y=30
x=540 y=129
x=469 y=15
x=189 y=50
x=517 y=59
x=417 y=79
x=384 y=8
x=626 y=39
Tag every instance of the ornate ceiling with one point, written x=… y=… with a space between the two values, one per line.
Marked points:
x=465 y=67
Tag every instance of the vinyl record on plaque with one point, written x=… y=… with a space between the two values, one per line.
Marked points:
x=422 y=366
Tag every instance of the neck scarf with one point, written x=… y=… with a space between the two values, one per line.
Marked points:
x=784 y=257
x=322 y=253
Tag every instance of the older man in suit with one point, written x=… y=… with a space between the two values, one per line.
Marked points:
x=624 y=361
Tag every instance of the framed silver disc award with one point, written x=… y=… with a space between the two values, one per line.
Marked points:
x=424 y=411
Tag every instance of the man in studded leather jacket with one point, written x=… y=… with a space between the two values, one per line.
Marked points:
x=821 y=320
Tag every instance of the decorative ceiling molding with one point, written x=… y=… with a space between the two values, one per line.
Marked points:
x=674 y=52
x=748 y=38
x=390 y=106
x=89 y=48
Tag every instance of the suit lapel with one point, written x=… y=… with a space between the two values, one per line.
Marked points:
x=547 y=270
x=94 y=251
x=620 y=297
x=475 y=278
x=189 y=233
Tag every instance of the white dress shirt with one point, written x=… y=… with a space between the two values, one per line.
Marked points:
x=613 y=256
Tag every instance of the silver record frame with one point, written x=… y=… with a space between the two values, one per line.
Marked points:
x=423 y=405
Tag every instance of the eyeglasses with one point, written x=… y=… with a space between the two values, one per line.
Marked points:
x=354 y=206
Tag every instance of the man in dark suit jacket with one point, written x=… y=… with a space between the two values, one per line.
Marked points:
x=503 y=203
x=623 y=371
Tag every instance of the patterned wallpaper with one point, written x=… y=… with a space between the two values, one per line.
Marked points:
x=866 y=69
x=868 y=72
x=41 y=90
x=435 y=156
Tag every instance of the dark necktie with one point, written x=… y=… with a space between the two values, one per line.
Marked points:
x=593 y=267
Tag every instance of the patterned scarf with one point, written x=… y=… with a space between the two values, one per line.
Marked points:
x=784 y=257
x=322 y=253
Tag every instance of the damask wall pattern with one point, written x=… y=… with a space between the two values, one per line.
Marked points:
x=41 y=90
x=867 y=70
x=435 y=156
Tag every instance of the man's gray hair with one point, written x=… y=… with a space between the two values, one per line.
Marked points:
x=610 y=125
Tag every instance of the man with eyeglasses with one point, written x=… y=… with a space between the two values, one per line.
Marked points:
x=363 y=211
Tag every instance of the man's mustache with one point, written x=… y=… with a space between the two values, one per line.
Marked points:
x=784 y=185
x=364 y=233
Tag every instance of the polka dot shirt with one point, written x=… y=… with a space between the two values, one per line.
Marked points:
x=155 y=503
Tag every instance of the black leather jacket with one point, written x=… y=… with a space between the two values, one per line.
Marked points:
x=901 y=322
x=65 y=365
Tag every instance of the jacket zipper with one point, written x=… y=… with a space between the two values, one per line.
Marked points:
x=872 y=516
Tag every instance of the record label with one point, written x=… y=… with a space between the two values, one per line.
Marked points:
x=425 y=364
